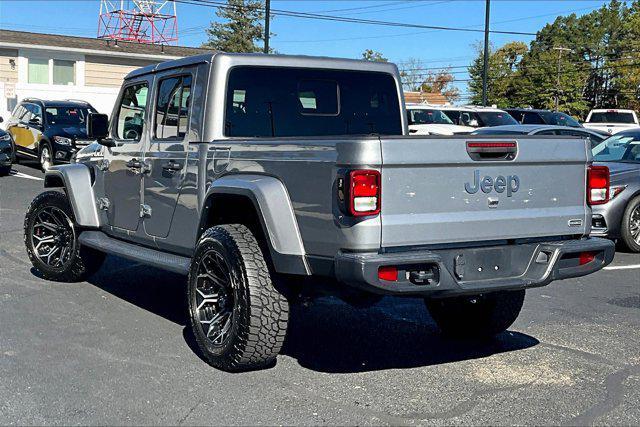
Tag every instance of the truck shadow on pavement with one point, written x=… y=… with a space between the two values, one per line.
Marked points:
x=326 y=336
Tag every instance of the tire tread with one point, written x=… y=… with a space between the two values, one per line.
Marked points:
x=259 y=340
x=86 y=261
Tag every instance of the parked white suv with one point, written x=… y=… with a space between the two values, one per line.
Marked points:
x=611 y=120
x=477 y=117
x=425 y=119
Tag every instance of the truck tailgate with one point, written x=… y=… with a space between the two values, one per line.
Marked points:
x=447 y=190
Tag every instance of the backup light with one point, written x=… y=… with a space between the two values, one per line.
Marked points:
x=597 y=185
x=364 y=192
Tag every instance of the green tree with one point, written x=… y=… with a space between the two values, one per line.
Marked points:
x=503 y=67
x=587 y=61
x=373 y=55
x=241 y=29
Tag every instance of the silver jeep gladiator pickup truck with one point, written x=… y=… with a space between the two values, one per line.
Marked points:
x=262 y=178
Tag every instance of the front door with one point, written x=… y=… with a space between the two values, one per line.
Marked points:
x=26 y=128
x=125 y=163
x=167 y=152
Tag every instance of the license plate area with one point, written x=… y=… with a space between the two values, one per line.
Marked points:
x=476 y=264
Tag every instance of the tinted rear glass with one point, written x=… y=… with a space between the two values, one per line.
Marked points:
x=427 y=117
x=74 y=116
x=495 y=118
x=480 y=119
x=611 y=117
x=559 y=119
x=267 y=102
x=531 y=118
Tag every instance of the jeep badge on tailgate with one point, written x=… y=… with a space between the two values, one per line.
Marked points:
x=511 y=183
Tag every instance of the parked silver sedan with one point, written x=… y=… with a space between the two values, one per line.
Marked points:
x=594 y=136
x=620 y=217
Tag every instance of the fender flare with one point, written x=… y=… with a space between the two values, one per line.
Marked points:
x=275 y=212
x=76 y=181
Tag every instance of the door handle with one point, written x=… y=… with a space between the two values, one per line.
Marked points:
x=133 y=164
x=137 y=166
x=172 y=166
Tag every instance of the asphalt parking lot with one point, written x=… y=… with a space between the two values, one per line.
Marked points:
x=115 y=350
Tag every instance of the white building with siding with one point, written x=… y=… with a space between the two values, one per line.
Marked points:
x=56 y=67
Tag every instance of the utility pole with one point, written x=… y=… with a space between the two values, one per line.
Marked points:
x=560 y=50
x=267 y=18
x=485 y=69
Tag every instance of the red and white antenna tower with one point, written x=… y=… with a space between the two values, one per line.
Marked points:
x=141 y=21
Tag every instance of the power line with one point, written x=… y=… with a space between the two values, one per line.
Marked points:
x=497 y=78
x=393 y=9
x=335 y=18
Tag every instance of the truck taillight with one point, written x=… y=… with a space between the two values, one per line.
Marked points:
x=364 y=192
x=597 y=185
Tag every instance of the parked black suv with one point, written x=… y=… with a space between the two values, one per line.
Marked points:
x=7 y=152
x=50 y=131
x=530 y=116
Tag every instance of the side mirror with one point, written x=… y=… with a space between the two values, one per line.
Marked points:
x=34 y=121
x=98 y=128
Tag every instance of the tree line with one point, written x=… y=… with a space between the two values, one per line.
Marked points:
x=578 y=63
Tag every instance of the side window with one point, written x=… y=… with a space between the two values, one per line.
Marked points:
x=595 y=140
x=173 y=106
x=19 y=112
x=532 y=119
x=33 y=112
x=131 y=112
x=516 y=115
x=454 y=116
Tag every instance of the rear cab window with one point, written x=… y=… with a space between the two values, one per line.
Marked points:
x=612 y=117
x=267 y=102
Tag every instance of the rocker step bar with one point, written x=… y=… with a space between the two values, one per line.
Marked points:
x=100 y=241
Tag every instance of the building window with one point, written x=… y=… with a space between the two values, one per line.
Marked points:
x=64 y=72
x=38 y=70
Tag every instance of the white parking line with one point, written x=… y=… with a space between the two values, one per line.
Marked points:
x=24 y=175
x=622 y=267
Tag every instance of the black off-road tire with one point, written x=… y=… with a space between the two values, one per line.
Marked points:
x=481 y=316
x=627 y=237
x=260 y=311
x=83 y=261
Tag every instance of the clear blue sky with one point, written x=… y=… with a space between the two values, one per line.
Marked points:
x=311 y=37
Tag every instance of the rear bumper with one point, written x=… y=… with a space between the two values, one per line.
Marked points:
x=474 y=270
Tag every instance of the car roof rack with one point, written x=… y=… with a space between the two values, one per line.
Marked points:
x=82 y=101
x=31 y=99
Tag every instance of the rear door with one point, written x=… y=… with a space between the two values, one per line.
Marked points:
x=452 y=190
x=167 y=151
